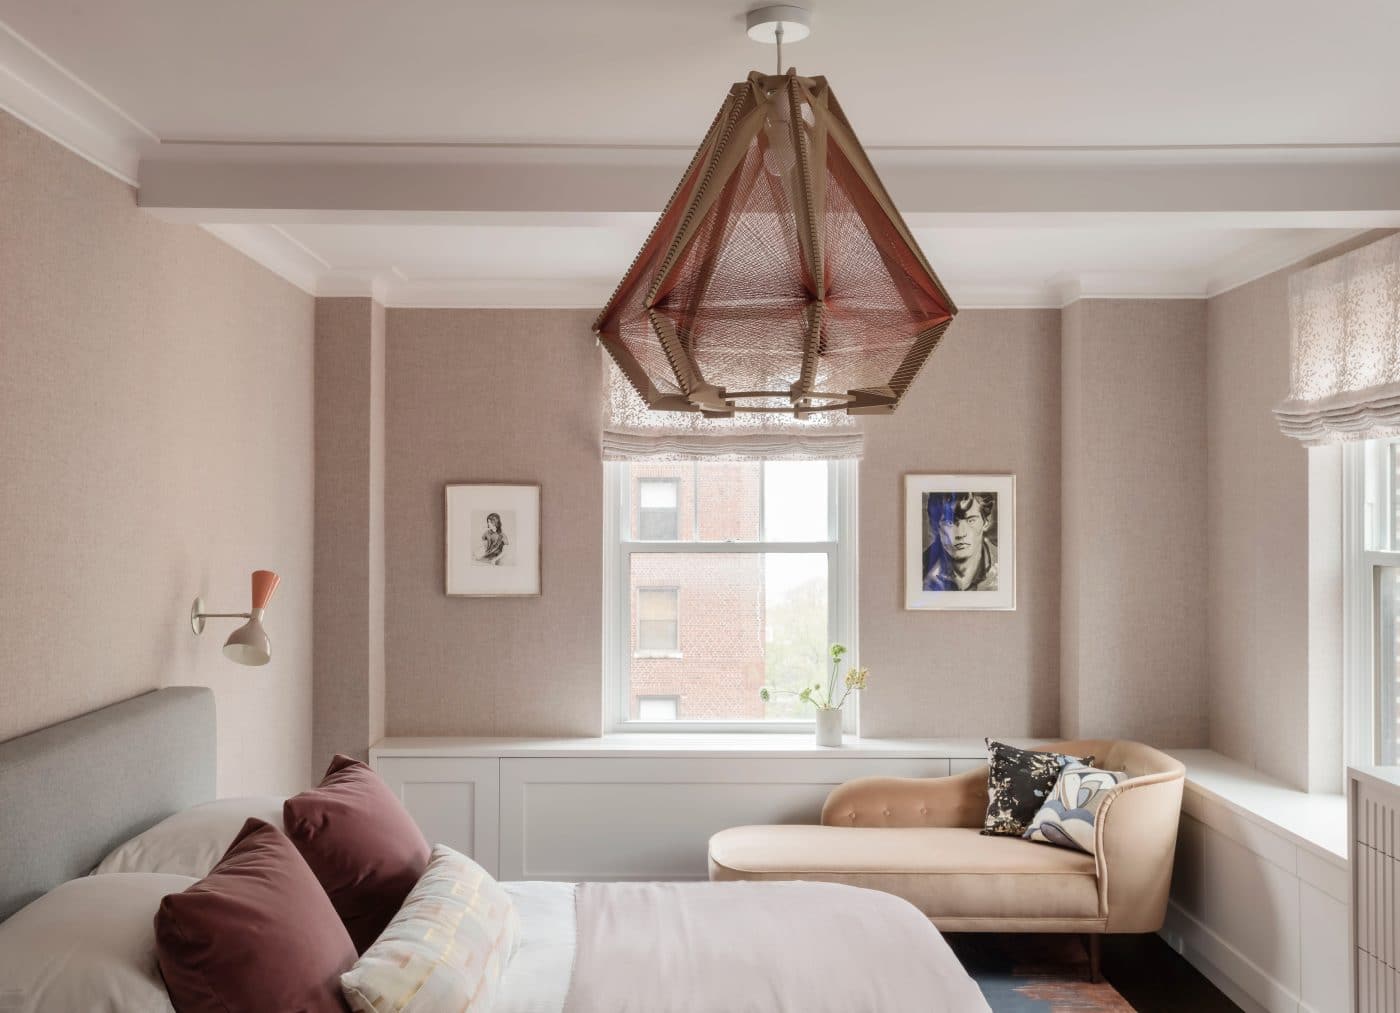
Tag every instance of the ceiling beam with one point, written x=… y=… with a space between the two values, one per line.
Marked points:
x=1313 y=187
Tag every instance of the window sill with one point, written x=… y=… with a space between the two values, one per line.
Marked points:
x=654 y=655
x=689 y=744
x=1316 y=822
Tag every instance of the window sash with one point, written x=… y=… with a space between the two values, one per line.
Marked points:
x=1370 y=678
x=839 y=548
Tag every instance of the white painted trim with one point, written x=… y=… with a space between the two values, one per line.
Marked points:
x=842 y=595
x=273 y=247
x=40 y=93
x=1227 y=968
x=1357 y=665
x=276 y=251
x=1286 y=251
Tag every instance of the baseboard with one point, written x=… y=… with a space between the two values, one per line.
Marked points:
x=1247 y=984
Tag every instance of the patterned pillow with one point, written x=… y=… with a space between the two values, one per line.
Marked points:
x=1018 y=783
x=445 y=949
x=1067 y=818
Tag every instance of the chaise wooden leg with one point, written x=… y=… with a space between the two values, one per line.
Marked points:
x=1094 y=943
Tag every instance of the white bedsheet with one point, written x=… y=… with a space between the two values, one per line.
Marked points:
x=892 y=959
x=537 y=980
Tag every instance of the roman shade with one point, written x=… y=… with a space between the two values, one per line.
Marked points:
x=632 y=431
x=1345 y=321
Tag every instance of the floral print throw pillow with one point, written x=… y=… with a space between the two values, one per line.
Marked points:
x=1067 y=819
x=1018 y=784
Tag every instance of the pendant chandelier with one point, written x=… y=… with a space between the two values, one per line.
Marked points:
x=780 y=277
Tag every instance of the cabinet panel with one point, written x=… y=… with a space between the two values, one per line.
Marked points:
x=454 y=801
x=609 y=818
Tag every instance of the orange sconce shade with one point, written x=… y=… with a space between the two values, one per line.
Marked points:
x=264 y=587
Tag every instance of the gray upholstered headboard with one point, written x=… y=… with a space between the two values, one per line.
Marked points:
x=72 y=792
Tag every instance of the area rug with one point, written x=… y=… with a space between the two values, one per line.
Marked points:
x=1035 y=974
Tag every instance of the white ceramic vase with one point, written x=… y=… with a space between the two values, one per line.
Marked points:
x=828 y=726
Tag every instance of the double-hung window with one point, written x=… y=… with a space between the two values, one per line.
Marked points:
x=722 y=577
x=1371 y=564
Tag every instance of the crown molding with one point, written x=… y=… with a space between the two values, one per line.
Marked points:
x=278 y=252
x=1261 y=259
x=40 y=93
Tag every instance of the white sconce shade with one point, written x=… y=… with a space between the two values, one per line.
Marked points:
x=247 y=645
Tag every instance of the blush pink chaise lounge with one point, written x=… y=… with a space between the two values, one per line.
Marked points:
x=918 y=838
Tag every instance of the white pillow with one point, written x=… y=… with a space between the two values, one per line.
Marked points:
x=446 y=949
x=190 y=843
x=89 y=944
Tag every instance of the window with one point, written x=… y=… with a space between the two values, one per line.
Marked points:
x=1371 y=565
x=658 y=708
x=658 y=509
x=658 y=621
x=722 y=577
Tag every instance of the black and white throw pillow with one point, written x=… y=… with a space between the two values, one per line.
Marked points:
x=1018 y=784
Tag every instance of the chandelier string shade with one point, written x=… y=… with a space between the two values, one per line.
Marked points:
x=780 y=278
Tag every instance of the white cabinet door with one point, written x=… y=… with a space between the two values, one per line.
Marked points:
x=652 y=818
x=454 y=800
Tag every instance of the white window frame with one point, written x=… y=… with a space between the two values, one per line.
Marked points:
x=1361 y=567
x=842 y=592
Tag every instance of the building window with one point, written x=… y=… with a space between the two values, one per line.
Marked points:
x=1371 y=565
x=658 y=509
x=658 y=621
x=658 y=708
x=761 y=555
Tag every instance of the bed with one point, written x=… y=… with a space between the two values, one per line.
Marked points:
x=71 y=793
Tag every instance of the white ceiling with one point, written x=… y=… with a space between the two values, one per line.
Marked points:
x=909 y=72
x=1042 y=151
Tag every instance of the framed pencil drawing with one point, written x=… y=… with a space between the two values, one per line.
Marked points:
x=493 y=540
x=960 y=542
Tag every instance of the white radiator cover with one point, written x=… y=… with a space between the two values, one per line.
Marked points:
x=1375 y=874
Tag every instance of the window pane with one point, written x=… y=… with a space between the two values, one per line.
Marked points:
x=657 y=525
x=653 y=493
x=729 y=501
x=657 y=708
x=795 y=501
x=1381 y=522
x=1387 y=666
x=740 y=620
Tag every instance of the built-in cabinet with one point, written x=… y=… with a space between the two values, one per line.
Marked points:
x=1261 y=893
x=1260 y=903
x=612 y=809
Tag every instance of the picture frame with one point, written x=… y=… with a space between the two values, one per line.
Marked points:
x=492 y=540
x=971 y=565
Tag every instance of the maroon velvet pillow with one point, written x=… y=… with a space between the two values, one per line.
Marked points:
x=361 y=843
x=257 y=933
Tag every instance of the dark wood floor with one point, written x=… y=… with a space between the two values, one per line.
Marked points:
x=1041 y=973
x=1154 y=978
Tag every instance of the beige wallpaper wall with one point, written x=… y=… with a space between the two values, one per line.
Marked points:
x=511 y=395
x=1274 y=587
x=349 y=608
x=155 y=443
x=493 y=395
x=987 y=401
x=1133 y=663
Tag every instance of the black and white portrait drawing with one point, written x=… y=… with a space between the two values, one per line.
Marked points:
x=495 y=528
x=493 y=540
x=960 y=542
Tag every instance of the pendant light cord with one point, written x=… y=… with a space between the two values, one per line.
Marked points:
x=778 y=34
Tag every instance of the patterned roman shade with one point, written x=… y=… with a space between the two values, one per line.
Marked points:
x=1345 y=318
x=634 y=432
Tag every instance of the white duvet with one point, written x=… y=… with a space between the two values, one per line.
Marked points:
x=728 y=948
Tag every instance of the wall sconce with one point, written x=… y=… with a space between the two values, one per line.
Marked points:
x=247 y=645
